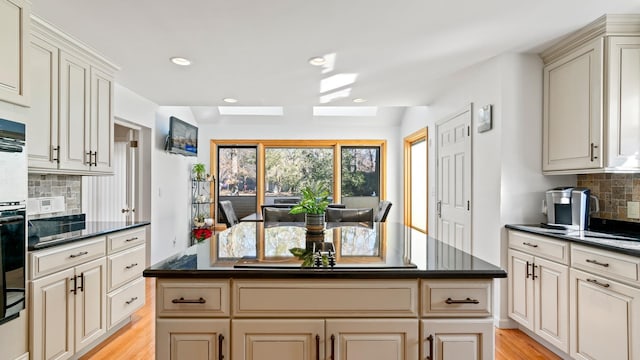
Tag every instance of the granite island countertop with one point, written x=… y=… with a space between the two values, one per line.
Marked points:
x=622 y=243
x=383 y=250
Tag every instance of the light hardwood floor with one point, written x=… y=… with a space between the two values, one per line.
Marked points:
x=136 y=341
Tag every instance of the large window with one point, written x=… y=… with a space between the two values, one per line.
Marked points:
x=252 y=173
x=287 y=170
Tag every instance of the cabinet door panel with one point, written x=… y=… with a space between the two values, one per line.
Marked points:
x=192 y=339
x=604 y=319
x=552 y=302
x=363 y=339
x=277 y=339
x=74 y=113
x=101 y=120
x=14 y=20
x=624 y=102
x=52 y=316
x=42 y=134
x=573 y=110
x=521 y=288
x=90 y=302
x=456 y=339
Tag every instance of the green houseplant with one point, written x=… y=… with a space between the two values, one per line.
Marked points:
x=313 y=203
x=199 y=171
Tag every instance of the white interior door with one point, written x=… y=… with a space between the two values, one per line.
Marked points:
x=453 y=180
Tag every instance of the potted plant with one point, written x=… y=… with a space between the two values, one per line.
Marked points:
x=199 y=171
x=313 y=203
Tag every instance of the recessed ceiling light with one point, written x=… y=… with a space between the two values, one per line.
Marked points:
x=359 y=100
x=230 y=100
x=317 y=61
x=180 y=61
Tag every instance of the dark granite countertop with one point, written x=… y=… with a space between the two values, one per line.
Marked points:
x=384 y=250
x=41 y=238
x=626 y=243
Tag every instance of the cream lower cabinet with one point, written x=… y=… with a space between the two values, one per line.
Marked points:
x=68 y=310
x=538 y=296
x=193 y=339
x=310 y=339
x=605 y=299
x=448 y=339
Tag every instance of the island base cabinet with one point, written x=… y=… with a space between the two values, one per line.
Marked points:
x=294 y=339
x=192 y=339
x=455 y=339
x=605 y=318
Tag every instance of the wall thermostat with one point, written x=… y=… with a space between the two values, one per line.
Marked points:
x=484 y=119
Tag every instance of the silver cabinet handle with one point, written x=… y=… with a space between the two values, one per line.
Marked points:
x=78 y=254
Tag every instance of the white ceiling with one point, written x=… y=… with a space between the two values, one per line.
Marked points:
x=257 y=50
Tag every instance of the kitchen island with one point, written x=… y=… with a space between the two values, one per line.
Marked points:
x=394 y=293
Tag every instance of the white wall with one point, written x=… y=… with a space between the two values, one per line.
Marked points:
x=507 y=181
x=383 y=127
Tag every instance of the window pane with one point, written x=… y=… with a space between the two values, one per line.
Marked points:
x=287 y=170
x=360 y=185
x=419 y=185
x=237 y=178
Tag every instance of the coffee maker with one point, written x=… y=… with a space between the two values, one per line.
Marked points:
x=569 y=207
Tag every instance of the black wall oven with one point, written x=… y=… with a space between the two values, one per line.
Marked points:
x=12 y=261
x=13 y=198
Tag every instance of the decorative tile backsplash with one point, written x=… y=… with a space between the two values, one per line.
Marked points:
x=613 y=192
x=69 y=186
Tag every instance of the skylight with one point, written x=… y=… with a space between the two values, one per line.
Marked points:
x=345 y=110
x=251 y=110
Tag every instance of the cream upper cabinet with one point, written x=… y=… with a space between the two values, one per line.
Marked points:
x=605 y=318
x=572 y=110
x=591 y=104
x=72 y=127
x=14 y=32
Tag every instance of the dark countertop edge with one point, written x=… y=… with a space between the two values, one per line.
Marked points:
x=51 y=244
x=325 y=274
x=575 y=240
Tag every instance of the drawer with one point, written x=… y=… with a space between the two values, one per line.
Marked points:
x=47 y=261
x=610 y=264
x=543 y=246
x=325 y=298
x=125 y=266
x=456 y=298
x=185 y=298
x=126 y=239
x=125 y=301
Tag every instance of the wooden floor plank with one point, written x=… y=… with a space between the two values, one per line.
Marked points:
x=136 y=341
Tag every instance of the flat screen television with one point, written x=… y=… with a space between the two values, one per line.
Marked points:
x=182 y=138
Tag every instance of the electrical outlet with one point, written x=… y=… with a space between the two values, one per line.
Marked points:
x=633 y=209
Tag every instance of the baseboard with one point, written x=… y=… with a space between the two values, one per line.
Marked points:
x=505 y=323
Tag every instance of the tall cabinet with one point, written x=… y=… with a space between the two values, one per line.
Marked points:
x=72 y=126
x=592 y=99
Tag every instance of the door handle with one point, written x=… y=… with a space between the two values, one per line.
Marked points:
x=317 y=347
x=533 y=271
x=220 y=339
x=439 y=208
x=81 y=287
x=75 y=285
x=528 y=264
x=333 y=340
x=593 y=152
x=55 y=155
x=430 y=340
